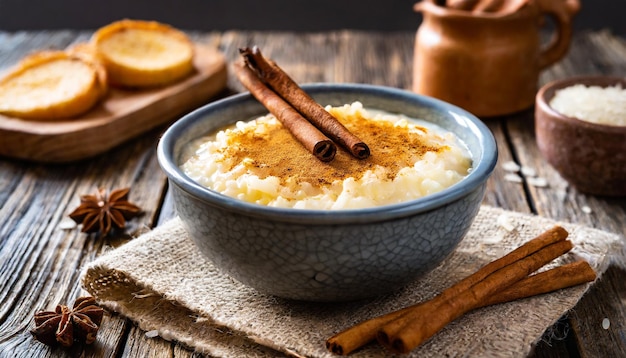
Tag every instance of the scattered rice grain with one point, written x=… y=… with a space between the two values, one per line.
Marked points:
x=528 y=171
x=152 y=334
x=504 y=221
x=606 y=323
x=511 y=166
x=67 y=224
x=495 y=239
x=538 y=182
x=513 y=178
x=586 y=209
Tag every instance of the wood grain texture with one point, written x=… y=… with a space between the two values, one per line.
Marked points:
x=120 y=116
x=40 y=262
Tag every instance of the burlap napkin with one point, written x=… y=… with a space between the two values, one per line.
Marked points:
x=161 y=282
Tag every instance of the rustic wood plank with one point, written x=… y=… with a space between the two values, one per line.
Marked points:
x=44 y=261
x=503 y=192
x=111 y=338
x=14 y=46
x=602 y=303
x=142 y=346
x=315 y=55
x=591 y=53
x=375 y=58
x=181 y=352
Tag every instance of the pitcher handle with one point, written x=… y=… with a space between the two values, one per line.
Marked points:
x=562 y=11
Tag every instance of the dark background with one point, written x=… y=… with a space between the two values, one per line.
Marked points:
x=285 y=15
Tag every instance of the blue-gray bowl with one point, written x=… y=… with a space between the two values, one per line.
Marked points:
x=322 y=255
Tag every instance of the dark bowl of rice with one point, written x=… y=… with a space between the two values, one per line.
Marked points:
x=580 y=127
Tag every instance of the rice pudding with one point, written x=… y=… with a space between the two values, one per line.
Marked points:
x=260 y=162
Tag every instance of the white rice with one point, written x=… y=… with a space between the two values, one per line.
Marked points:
x=431 y=172
x=602 y=105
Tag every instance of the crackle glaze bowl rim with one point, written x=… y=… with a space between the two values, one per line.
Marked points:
x=548 y=91
x=482 y=166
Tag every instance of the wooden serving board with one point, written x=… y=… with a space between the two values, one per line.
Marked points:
x=120 y=116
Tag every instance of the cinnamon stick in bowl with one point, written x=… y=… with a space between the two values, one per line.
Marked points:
x=288 y=89
x=309 y=136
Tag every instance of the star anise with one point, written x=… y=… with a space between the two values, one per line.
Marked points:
x=102 y=212
x=66 y=326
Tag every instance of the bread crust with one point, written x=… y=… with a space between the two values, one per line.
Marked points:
x=139 y=54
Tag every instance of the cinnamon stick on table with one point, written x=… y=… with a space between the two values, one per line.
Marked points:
x=568 y=275
x=309 y=136
x=422 y=325
x=553 y=236
x=288 y=89
x=404 y=329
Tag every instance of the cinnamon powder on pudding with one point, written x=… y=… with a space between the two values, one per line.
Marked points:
x=277 y=153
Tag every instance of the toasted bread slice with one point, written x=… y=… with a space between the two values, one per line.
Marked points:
x=51 y=85
x=143 y=53
x=87 y=52
x=84 y=50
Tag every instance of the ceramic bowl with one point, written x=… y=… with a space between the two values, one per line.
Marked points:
x=589 y=156
x=318 y=255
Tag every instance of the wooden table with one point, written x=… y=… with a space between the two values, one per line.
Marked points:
x=40 y=261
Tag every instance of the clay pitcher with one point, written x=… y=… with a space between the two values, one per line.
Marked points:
x=488 y=62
